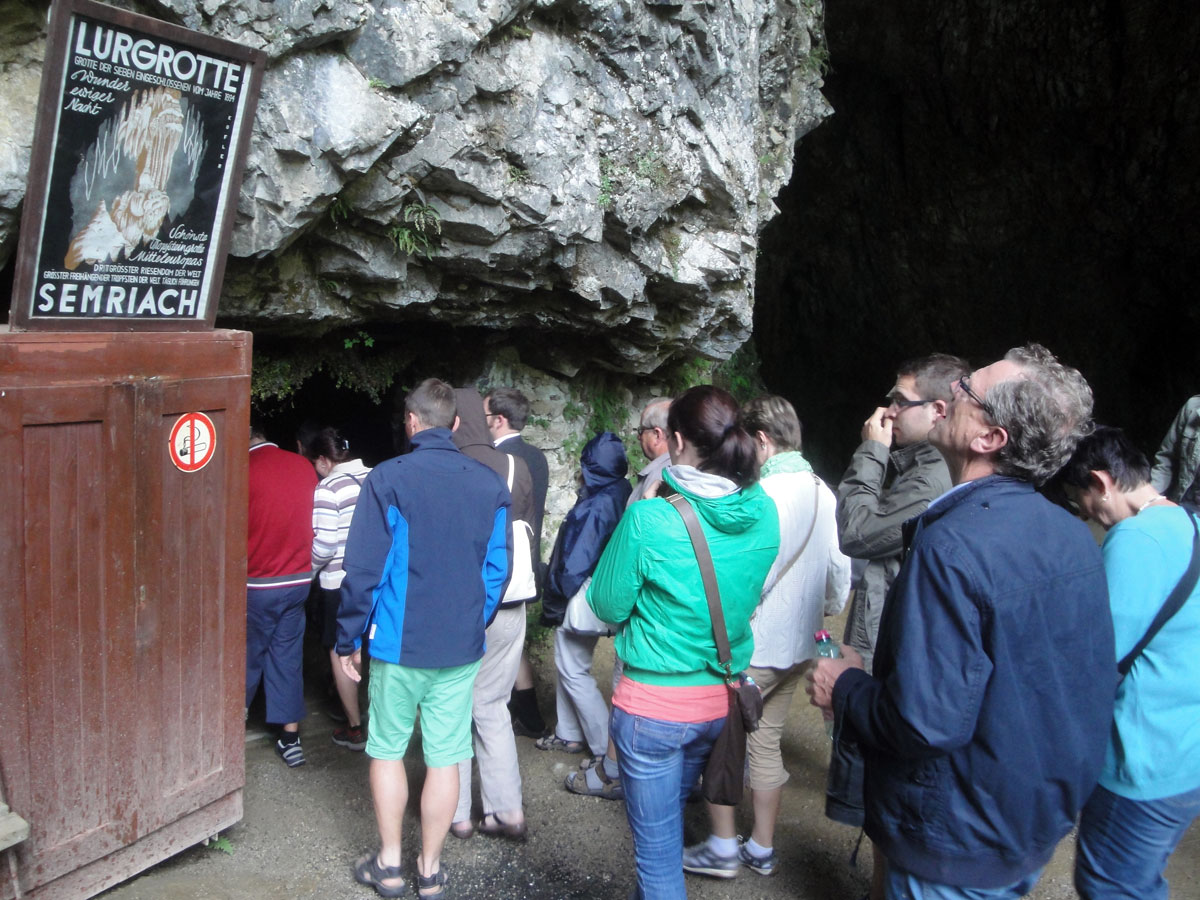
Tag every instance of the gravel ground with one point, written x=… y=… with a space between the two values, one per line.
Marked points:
x=303 y=828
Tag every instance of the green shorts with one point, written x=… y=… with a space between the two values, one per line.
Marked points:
x=444 y=698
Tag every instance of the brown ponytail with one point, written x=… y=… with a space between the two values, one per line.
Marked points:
x=710 y=420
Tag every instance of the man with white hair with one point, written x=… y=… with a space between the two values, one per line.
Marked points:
x=985 y=722
x=652 y=436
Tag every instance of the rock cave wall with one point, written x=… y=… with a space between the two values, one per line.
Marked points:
x=587 y=178
x=568 y=193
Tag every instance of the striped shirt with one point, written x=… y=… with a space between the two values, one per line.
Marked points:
x=333 y=508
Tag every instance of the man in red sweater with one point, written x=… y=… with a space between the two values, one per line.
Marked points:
x=278 y=573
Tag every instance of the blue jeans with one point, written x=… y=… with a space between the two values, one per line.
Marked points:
x=660 y=762
x=1124 y=844
x=903 y=885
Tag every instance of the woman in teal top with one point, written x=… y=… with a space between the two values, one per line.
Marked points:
x=1149 y=791
x=670 y=704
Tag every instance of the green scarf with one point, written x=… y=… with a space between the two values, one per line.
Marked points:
x=789 y=461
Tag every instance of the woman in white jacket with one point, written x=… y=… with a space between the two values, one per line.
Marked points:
x=333 y=508
x=809 y=580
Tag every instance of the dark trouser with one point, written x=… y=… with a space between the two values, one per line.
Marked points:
x=844 y=787
x=275 y=650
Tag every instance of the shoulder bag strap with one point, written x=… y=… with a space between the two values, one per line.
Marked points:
x=812 y=526
x=709 y=576
x=512 y=470
x=1173 y=604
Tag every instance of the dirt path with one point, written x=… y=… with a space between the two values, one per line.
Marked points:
x=304 y=827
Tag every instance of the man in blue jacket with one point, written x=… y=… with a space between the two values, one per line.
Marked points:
x=427 y=559
x=985 y=722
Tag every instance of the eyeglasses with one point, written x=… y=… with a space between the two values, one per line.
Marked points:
x=642 y=429
x=965 y=386
x=902 y=402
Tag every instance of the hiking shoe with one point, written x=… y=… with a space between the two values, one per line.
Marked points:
x=290 y=753
x=352 y=737
x=700 y=859
x=763 y=865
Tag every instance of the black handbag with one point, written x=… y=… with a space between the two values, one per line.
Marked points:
x=724 y=775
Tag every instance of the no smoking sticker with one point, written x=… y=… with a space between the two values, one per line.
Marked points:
x=193 y=442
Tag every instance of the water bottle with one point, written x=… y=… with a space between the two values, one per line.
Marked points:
x=827 y=648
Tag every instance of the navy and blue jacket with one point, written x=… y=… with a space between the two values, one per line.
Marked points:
x=985 y=725
x=427 y=557
x=588 y=526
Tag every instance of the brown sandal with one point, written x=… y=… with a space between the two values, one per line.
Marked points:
x=554 y=742
x=610 y=788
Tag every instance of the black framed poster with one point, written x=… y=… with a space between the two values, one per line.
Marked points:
x=137 y=159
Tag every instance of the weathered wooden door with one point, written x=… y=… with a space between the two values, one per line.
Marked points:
x=122 y=629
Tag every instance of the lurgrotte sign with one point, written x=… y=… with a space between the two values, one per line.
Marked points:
x=141 y=130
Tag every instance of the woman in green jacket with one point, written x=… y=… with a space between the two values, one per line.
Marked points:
x=670 y=704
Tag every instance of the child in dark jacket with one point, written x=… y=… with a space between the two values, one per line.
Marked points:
x=582 y=711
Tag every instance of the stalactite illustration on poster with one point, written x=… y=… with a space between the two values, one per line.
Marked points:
x=142 y=152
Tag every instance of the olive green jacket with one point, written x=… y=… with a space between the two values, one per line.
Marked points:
x=1178 y=459
x=870 y=512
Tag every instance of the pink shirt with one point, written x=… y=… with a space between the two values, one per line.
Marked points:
x=672 y=703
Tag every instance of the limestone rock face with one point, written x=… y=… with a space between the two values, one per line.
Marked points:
x=593 y=169
x=22 y=46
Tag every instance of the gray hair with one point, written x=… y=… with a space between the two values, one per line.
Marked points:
x=654 y=414
x=1046 y=412
x=432 y=401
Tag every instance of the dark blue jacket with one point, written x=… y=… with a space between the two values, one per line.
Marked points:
x=588 y=526
x=985 y=725
x=426 y=558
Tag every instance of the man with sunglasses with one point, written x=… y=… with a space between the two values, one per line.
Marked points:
x=892 y=477
x=985 y=721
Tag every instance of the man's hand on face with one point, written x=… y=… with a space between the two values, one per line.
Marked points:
x=878 y=427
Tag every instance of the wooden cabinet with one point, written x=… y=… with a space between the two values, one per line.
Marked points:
x=122 y=626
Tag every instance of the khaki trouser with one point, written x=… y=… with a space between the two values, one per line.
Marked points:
x=495 y=745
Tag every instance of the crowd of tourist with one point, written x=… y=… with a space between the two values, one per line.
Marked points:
x=1002 y=678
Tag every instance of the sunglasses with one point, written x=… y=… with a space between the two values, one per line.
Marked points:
x=902 y=402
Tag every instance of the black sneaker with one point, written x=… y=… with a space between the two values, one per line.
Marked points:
x=290 y=753
x=520 y=729
x=352 y=737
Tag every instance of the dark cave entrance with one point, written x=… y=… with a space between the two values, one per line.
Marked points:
x=992 y=175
